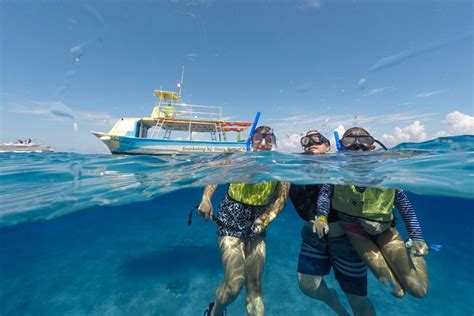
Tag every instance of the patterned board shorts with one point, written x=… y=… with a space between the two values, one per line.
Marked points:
x=317 y=256
x=236 y=219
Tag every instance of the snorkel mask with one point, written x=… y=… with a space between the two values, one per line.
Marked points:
x=264 y=135
x=358 y=139
x=313 y=139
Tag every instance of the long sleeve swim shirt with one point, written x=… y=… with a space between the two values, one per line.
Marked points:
x=401 y=203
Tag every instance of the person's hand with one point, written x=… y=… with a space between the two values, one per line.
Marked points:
x=259 y=224
x=320 y=226
x=206 y=209
x=420 y=247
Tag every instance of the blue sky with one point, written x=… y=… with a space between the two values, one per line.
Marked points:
x=402 y=69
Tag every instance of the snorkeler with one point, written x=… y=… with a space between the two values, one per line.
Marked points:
x=367 y=217
x=318 y=255
x=244 y=213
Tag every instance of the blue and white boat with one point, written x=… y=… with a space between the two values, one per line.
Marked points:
x=175 y=128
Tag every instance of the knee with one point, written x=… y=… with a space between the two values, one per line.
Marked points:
x=418 y=292
x=309 y=284
x=233 y=288
x=415 y=287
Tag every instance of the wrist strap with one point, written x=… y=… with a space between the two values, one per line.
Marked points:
x=322 y=218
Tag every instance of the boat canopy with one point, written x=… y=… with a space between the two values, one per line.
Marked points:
x=167 y=95
x=195 y=125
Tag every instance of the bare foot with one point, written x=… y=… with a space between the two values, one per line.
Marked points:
x=396 y=291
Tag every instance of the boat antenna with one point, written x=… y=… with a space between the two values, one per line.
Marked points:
x=181 y=82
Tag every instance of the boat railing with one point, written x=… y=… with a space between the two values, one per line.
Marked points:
x=187 y=111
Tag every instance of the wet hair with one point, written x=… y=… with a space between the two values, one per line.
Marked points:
x=356 y=131
x=313 y=131
x=263 y=130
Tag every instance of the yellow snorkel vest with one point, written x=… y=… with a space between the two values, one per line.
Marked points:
x=254 y=194
x=373 y=204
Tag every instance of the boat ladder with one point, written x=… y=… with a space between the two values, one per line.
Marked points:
x=167 y=134
x=219 y=132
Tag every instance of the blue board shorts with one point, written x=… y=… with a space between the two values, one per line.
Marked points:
x=317 y=256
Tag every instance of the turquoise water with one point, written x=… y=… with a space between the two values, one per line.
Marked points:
x=107 y=235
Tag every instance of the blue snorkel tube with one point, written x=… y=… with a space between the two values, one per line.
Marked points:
x=254 y=126
x=338 y=144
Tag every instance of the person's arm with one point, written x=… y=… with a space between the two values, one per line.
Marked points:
x=408 y=215
x=411 y=222
x=324 y=200
x=272 y=209
x=205 y=207
x=320 y=222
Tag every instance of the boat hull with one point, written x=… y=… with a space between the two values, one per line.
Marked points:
x=25 y=148
x=147 y=146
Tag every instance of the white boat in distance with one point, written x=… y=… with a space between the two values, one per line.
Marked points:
x=25 y=146
x=185 y=122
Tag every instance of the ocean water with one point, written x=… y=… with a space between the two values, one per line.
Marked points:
x=108 y=235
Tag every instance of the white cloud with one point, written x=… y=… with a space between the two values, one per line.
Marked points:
x=327 y=123
x=60 y=112
x=378 y=91
x=288 y=129
x=441 y=134
x=430 y=93
x=404 y=55
x=289 y=143
x=191 y=56
x=412 y=133
x=307 y=5
x=457 y=124
x=315 y=4
x=194 y=3
x=460 y=123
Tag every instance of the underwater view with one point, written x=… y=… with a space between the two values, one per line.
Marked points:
x=265 y=157
x=104 y=235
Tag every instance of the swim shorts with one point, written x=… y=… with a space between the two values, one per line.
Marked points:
x=317 y=256
x=236 y=219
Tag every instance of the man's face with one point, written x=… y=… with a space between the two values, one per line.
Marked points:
x=316 y=148
x=358 y=140
x=359 y=148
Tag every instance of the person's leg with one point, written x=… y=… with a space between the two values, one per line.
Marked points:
x=369 y=251
x=351 y=273
x=313 y=264
x=254 y=264
x=315 y=287
x=409 y=269
x=233 y=260
x=361 y=305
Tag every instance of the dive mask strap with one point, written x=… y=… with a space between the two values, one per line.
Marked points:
x=190 y=216
x=378 y=142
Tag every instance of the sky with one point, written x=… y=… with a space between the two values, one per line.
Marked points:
x=401 y=69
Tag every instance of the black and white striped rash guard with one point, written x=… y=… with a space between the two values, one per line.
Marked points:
x=401 y=203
